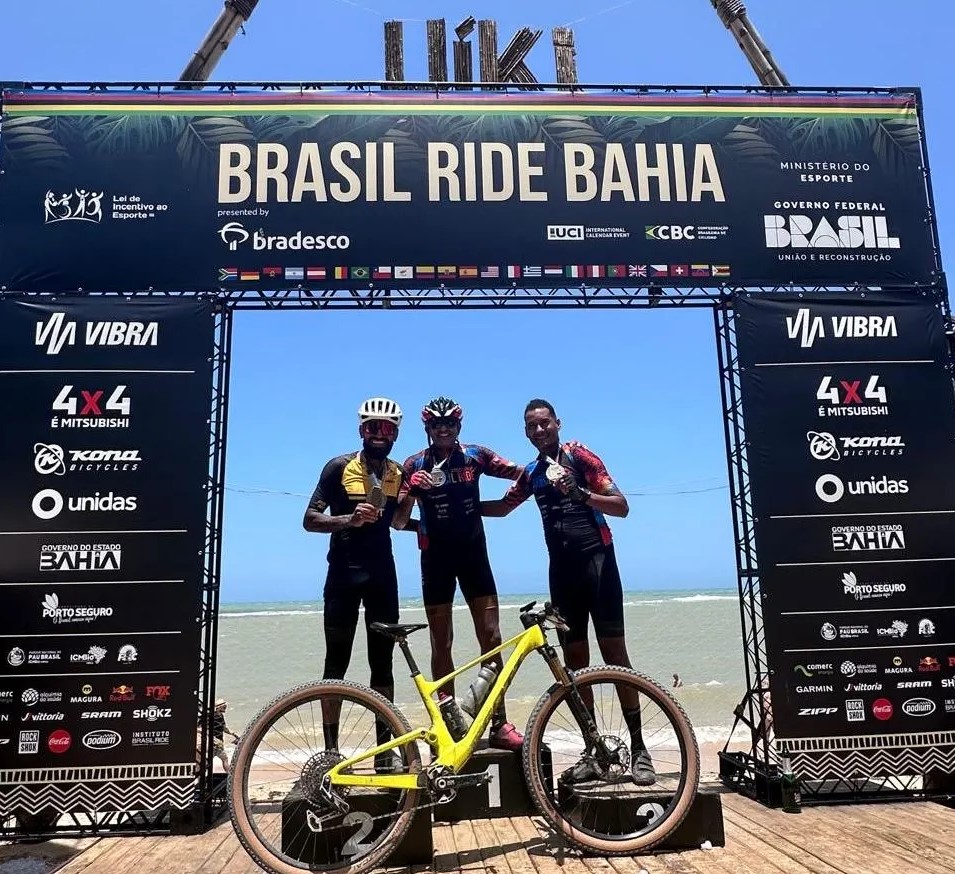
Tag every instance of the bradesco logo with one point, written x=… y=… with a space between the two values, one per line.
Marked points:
x=807 y=328
x=49 y=503
x=102 y=739
x=91 y=408
x=832 y=489
x=234 y=235
x=50 y=459
x=56 y=332
x=824 y=446
x=847 y=397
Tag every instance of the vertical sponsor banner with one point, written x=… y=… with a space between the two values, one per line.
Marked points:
x=850 y=426
x=104 y=461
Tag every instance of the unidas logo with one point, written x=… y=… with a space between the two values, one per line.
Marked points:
x=233 y=234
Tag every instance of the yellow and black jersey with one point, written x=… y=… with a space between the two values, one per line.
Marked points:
x=345 y=482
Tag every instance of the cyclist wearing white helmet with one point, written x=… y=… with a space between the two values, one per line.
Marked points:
x=360 y=492
x=444 y=480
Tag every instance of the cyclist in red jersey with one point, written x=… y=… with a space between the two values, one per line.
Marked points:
x=444 y=479
x=574 y=491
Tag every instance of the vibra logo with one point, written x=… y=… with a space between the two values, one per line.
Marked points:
x=831 y=489
x=56 y=332
x=850 y=232
x=565 y=232
x=670 y=232
x=807 y=328
x=234 y=234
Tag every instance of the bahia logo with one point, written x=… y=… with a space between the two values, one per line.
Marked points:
x=102 y=739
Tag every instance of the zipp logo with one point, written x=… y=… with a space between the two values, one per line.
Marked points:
x=817 y=711
x=56 y=333
x=807 y=328
x=565 y=232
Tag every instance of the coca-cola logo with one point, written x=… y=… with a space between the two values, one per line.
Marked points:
x=882 y=708
x=59 y=741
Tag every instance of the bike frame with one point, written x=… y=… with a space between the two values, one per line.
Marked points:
x=450 y=753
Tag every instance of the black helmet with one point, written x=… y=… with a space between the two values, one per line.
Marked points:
x=441 y=408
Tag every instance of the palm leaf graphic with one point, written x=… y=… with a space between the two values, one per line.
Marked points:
x=51 y=602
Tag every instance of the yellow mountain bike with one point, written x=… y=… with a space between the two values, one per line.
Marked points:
x=609 y=756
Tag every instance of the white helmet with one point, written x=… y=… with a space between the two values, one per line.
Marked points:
x=379 y=408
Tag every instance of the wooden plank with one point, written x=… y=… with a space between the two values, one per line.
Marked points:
x=565 y=55
x=493 y=853
x=222 y=854
x=445 y=851
x=750 y=842
x=468 y=849
x=114 y=856
x=87 y=855
x=813 y=831
x=487 y=50
x=437 y=50
x=463 y=64
x=394 y=51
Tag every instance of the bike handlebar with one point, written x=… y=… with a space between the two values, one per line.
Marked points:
x=530 y=617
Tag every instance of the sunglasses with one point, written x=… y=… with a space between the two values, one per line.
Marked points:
x=443 y=422
x=379 y=428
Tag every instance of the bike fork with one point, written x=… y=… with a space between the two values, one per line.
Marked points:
x=583 y=716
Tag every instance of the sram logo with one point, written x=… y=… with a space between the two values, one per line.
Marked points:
x=56 y=332
x=817 y=711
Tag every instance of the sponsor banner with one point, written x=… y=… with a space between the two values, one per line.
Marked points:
x=103 y=517
x=278 y=189
x=850 y=429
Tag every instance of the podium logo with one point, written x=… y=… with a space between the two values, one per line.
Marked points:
x=102 y=739
x=918 y=707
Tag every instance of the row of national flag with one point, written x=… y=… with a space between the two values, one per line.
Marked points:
x=511 y=271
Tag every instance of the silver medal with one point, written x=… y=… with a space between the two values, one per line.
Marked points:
x=438 y=477
x=554 y=472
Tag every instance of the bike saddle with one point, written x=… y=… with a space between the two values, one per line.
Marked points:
x=395 y=630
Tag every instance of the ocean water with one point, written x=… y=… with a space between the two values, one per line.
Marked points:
x=267 y=648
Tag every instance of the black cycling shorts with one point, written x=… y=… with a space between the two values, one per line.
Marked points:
x=587 y=586
x=465 y=563
x=347 y=589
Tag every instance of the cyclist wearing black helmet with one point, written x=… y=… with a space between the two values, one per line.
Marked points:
x=360 y=491
x=444 y=479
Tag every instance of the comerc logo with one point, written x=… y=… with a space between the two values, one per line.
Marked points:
x=56 y=332
x=850 y=232
x=808 y=328
x=234 y=235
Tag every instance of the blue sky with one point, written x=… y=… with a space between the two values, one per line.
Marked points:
x=639 y=387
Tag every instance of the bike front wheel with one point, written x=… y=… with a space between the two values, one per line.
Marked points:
x=286 y=815
x=636 y=786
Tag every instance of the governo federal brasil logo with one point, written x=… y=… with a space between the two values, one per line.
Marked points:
x=234 y=234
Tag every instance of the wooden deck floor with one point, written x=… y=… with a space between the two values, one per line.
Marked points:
x=850 y=839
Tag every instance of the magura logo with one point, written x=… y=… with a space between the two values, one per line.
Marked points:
x=52 y=609
x=824 y=446
x=831 y=488
x=808 y=328
x=56 y=332
x=849 y=232
x=565 y=232
x=234 y=235
x=88 y=207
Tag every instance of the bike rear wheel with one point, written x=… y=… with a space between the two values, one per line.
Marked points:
x=279 y=813
x=596 y=801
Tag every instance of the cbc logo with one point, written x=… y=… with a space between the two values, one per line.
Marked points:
x=671 y=232
x=565 y=232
